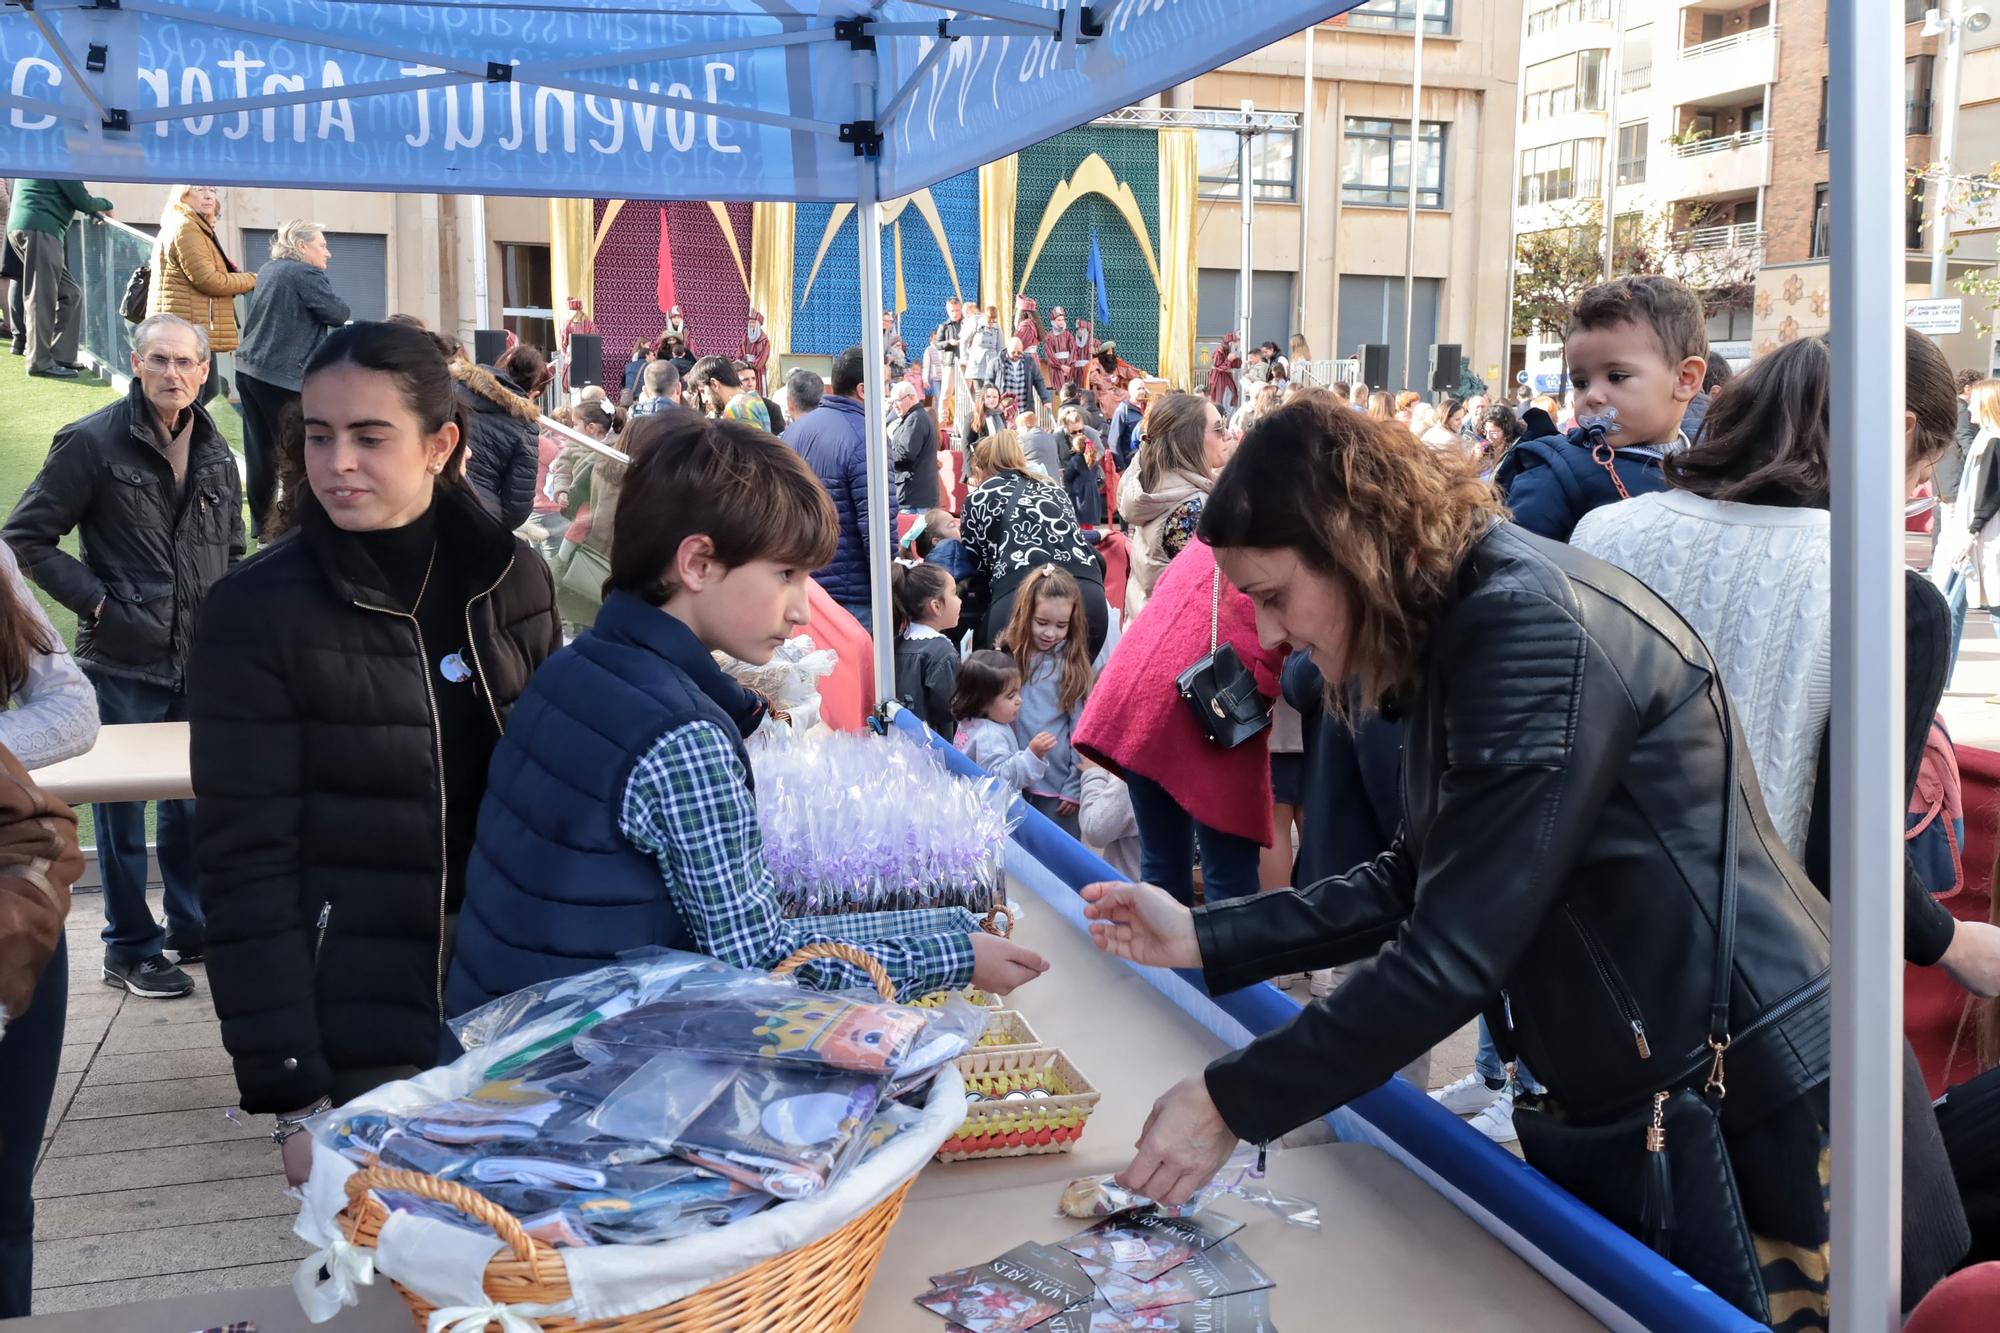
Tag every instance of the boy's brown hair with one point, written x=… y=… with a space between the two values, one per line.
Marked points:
x=741 y=487
x=1669 y=308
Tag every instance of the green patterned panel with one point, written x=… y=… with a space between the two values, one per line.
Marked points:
x=1060 y=276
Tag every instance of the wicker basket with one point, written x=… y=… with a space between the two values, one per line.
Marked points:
x=817 y=1288
x=1006 y=1029
x=1000 y=1128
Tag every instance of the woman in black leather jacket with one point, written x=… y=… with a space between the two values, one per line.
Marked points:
x=1567 y=761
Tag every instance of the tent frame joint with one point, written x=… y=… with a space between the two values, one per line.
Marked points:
x=855 y=33
x=499 y=71
x=865 y=135
x=118 y=119
x=1090 y=23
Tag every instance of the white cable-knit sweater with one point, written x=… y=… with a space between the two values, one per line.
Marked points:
x=1755 y=581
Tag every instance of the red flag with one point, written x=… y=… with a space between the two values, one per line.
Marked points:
x=667 y=299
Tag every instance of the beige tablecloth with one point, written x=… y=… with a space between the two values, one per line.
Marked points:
x=1390 y=1254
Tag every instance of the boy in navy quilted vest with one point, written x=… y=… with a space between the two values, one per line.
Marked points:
x=1637 y=349
x=619 y=810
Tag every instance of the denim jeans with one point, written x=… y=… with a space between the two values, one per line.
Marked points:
x=1167 y=838
x=29 y=1053
x=131 y=935
x=1488 y=1065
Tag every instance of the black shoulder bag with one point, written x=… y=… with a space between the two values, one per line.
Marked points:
x=138 y=289
x=1663 y=1174
x=1220 y=690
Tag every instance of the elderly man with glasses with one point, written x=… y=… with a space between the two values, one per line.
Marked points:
x=152 y=490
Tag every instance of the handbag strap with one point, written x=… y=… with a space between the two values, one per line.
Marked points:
x=1215 y=611
x=1725 y=917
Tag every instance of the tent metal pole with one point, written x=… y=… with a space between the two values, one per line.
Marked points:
x=1864 y=61
x=305 y=96
x=1410 y=380
x=1246 y=180
x=881 y=499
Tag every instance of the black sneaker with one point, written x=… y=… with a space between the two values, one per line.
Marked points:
x=185 y=948
x=54 y=372
x=151 y=979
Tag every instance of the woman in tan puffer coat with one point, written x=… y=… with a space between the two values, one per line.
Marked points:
x=192 y=276
x=1183 y=446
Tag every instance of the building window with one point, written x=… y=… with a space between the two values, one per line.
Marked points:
x=527 y=295
x=1822 y=113
x=1375 y=163
x=1549 y=15
x=1633 y=141
x=1638 y=71
x=1401 y=16
x=1913 y=10
x=1568 y=170
x=1574 y=82
x=1818 y=249
x=1273 y=164
x=1917 y=94
x=1913 y=223
x=359 y=273
x=1730 y=324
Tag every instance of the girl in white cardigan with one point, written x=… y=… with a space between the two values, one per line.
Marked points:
x=52 y=712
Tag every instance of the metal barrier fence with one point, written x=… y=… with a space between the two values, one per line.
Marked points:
x=102 y=256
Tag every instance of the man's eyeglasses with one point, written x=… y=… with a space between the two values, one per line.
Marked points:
x=160 y=365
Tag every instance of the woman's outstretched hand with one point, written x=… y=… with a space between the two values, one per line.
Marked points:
x=1184 y=1144
x=1141 y=924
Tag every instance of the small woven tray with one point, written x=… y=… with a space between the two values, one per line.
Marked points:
x=1000 y=1128
x=979 y=999
x=1007 y=1029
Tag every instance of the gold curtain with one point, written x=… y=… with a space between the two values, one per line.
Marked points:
x=1178 y=187
x=997 y=182
x=771 y=271
x=571 y=250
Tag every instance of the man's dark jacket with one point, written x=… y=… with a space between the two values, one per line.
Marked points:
x=150 y=550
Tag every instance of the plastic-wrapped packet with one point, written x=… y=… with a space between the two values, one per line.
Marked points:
x=519 y=1026
x=764 y=1021
x=955 y=1027
x=788 y=1130
x=1242 y=1177
x=864 y=823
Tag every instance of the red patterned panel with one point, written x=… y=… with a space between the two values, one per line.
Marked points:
x=712 y=298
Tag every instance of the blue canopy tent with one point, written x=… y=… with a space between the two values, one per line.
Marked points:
x=865 y=100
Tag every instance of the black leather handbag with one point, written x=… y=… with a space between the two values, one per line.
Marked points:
x=1663 y=1173
x=1220 y=690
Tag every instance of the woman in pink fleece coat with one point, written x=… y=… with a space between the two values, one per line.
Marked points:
x=1185 y=788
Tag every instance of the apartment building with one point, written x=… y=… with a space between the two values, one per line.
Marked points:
x=1658 y=114
x=1346 y=289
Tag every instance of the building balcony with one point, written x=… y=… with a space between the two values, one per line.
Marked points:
x=1742 y=235
x=1731 y=164
x=1726 y=67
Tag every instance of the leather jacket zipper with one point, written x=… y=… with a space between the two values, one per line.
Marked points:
x=1614 y=983
x=437 y=741
x=319 y=940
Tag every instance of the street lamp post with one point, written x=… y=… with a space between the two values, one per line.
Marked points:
x=1952 y=24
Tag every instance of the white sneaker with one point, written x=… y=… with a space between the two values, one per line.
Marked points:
x=1322 y=982
x=1469 y=1096
x=1496 y=1122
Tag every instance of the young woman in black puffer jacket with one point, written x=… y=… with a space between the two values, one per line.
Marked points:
x=347 y=688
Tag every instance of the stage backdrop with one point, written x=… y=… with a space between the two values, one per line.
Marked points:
x=1103 y=179
x=710 y=249
x=930 y=253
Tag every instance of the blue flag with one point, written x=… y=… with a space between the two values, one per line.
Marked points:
x=1096 y=275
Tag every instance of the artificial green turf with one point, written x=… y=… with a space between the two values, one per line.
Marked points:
x=31 y=412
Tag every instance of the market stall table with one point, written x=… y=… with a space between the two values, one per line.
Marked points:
x=132 y=761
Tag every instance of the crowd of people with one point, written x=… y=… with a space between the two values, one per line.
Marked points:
x=1520 y=710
